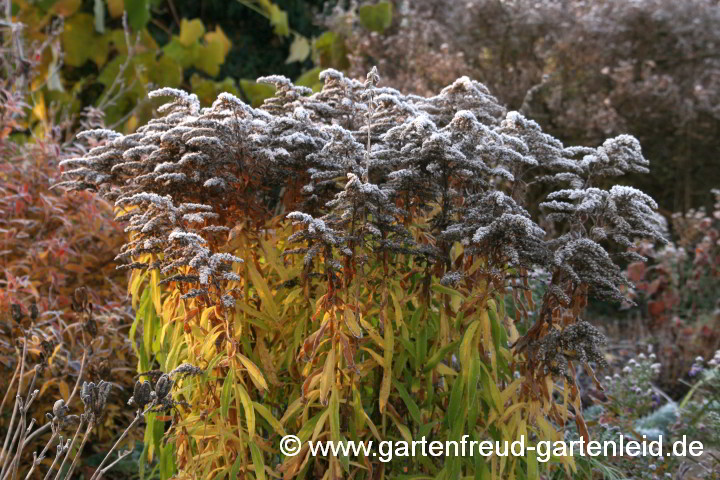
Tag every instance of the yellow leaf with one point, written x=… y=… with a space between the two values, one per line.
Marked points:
x=263 y=291
x=248 y=407
x=328 y=376
x=291 y=410
x=255 y=374
x=372 y=426
x=376 y=356
x=267 y=415
x=219 y=36
x=64 y=390
x=136 y=281
x=191 y=31
x=467 y=343
x=371 y=331
x=352 y=324
x=443 y=369
x=487 y=339
x=116 y=8
x=155 y=290
x=398 y=310
x=320 y=424
x=39 y=109
x=65 y=8
x=404 y=430
x=510 y=390
x=387 y=373
x=205 y=317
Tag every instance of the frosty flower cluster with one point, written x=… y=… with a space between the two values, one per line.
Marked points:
x=357 y=164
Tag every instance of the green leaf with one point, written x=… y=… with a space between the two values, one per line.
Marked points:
x=143 y=360
x=208 y=90
x=331 y=51
x=236 y=467
x=421 y=345
x=81 y=43
x=409 y=402
x=138 y=13
x=532 y=464
x=334 y=415
x=225 y=395
x=376 y=18
x=447 y=290
x=210 y=57
x=257 y=459
x=311 y=79
x=167 y=461
x=279 y=20
x=163 y=71
x=182 y=55
x=268 y=416
x=439 y=355
x=255 y=92
x=455 y=407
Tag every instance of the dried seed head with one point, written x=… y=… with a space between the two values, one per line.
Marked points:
x=142 y=394
x=94 y=397
x=16 y=311
x=163 y=386
x=372 y=78
x=91 y=327
x=34 y=311
x=80 y=300
x=186 y=369
x=60 y=409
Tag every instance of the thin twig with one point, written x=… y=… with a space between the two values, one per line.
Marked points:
x=39 y=458
x=138 y=416
x=69 y=450
x=45 y=427
x=59 y=451
x=7 y=392
x=89 y=428
x=6 y=446
x=121 y=456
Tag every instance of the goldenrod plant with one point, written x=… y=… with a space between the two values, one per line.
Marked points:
x=341 y=265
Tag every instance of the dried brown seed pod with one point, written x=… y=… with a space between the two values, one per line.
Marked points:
x=16 y=311
x=94 y=397
x=163 y=386
x=90 y=326
x=60 y=409
x=99 y=369
x=142 y=394
x=80 y=300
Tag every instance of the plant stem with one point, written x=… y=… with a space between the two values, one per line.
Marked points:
x=57 y=457
x=6 y=446
x=138 y=415
x=89 y=428
x=41 y=457
x=69 y=450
